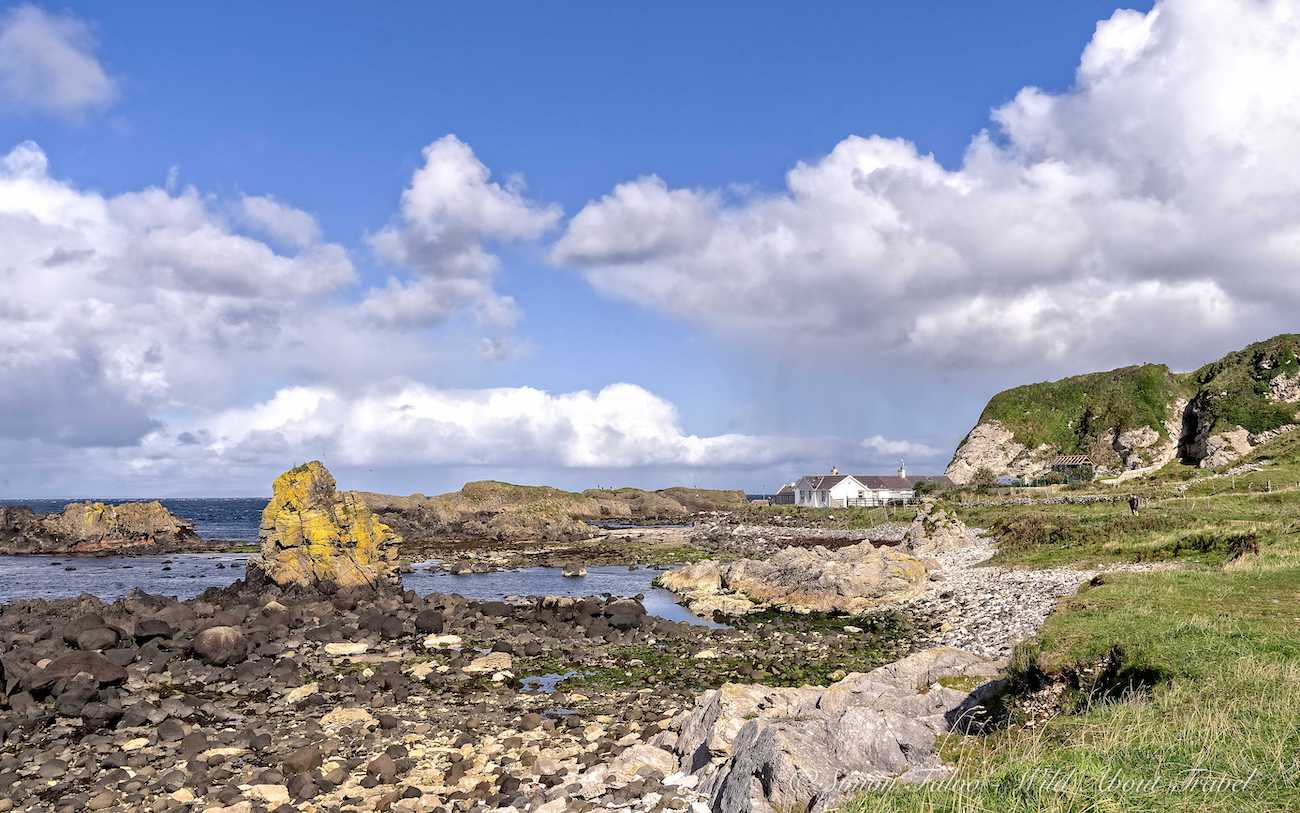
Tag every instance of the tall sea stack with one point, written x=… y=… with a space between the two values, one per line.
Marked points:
x=315 y=536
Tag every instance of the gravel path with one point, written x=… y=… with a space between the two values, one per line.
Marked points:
x=990 y=609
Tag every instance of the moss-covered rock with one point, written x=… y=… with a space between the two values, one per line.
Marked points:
x=313 y=535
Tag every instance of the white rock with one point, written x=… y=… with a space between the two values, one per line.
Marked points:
x=344 y=717
x=272 y=795
x=491 y=662
x=301 y=693
x=436 y=641
x=347 y=648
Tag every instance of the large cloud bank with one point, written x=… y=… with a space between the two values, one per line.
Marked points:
x=1152 y=207
x=141 y=326
x=622 y=425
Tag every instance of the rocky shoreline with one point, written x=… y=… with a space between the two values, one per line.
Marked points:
x=317 y=684
x=257 y=696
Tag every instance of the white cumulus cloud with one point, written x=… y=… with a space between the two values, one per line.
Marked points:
x=450 y=216
x=48 y=64
x=882 y=446
x=404 y=423
x=116 y=308
x=1161 y=189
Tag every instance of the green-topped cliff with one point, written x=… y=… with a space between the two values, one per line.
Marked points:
x=1140 y=417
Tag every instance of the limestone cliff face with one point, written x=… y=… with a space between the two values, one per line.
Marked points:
x=96 y=527
x=313 y=535
x=992 y=446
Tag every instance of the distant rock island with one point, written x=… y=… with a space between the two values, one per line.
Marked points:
x=495 y=511
x=1141 y=417
x=96 y=527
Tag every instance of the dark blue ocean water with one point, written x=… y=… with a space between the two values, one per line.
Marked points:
x=213 y=518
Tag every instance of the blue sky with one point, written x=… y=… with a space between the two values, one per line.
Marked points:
x=326 y=108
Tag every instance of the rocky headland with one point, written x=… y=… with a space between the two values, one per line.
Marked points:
x=97 y=528
x=1140 y=418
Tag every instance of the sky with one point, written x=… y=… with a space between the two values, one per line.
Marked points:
x=584 y=244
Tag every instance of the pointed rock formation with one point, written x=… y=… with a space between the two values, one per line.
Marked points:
x=316 y=536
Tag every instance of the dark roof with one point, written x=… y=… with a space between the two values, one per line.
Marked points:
x=820 y=482
x=786 y=489
x=1071 y=460
x=896 y=483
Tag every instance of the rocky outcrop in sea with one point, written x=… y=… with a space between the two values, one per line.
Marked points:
x=315 y=536
x=97 y=528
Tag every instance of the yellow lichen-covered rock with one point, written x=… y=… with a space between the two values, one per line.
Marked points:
x=314 y=535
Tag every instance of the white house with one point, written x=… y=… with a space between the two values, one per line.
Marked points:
x=826 y=490
x=837 y=490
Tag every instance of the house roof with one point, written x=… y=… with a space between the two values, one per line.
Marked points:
x=894 y=482
x=821 y=482
x=786 y=489
x=1071 y=460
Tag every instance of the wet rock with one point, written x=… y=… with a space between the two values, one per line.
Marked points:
x=220 y=646
x=97 y=639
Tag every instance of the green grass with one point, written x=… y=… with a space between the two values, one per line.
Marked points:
x=1214 y=722
x=1078 y=414
x=842 y=518
x=1199 y=528
x=1235 y=387
x=1070 y=413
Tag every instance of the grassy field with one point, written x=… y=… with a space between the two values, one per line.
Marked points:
x=1202 y=708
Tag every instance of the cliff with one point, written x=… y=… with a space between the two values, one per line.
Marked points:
x=1140 y=417
x=96 y=527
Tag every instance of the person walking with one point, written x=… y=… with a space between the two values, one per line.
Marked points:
x=1134 y=502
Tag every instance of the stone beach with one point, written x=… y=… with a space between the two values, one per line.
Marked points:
x=342 y=692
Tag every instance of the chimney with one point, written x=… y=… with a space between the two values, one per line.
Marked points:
x=902 y=469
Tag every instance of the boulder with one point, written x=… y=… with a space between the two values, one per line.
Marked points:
x=935 y=531
x=96 y=527
x=700 y=577
x=575 y=570
x=99 y=668
x=760 y=749
x=852 y=580
x=220 y=646
x=315 y=536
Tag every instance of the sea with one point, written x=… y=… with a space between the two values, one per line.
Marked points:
x=185 y=575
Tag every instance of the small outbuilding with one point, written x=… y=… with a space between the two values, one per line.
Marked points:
x=1075 y=468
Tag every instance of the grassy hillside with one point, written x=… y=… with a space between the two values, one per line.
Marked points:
x=1198 y=711
x=1234 y=390
x=1072 y=413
